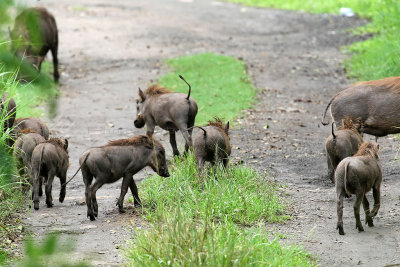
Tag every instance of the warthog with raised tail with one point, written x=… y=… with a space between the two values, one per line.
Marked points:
x=376 y=103
x=357 y=175
x=120 y=159
x=170 y=111
x=342 y=143
x=212 y=143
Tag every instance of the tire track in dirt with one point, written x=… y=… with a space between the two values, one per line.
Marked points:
x=108 y=49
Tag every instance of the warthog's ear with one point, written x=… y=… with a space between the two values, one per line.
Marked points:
x=66 y=144
x=141 y=95
x=227 y=128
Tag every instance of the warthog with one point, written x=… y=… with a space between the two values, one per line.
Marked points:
x=34 y=34
x=212 y=144
x=23 y=148
x=357 y=175
x=34 y=124
x=376 y=103
x=120 y=159
x=49 y=159
x=170 y=111
x=341 y=144
x=8 y=111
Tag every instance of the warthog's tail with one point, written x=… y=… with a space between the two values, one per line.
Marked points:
x=326 y=109
x=333 y=132
x=345 y=177
x=83 y=162
x=190 y=88
x=205 y=132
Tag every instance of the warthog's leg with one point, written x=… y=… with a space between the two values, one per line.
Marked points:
x=187 y=145
x=63 y=179
x=172 y=140
x=135 y=194
x=331 y=171
x=97 y=184
x=368 y=218
x=87 y=179
x=356 y=206
x=225 y=161
x=49 y=185
x=35 y=193
x=339 y=203
x=376 y=191
x=188 y=139
x=54 y=53
x=124 y=188
x=40 y=186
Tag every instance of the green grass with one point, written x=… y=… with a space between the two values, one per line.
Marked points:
x=220 y=84
x=217 y=219
x=181 y=241
x=373 y=59
x=239 y=194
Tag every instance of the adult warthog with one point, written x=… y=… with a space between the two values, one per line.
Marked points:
x=376 y=103
x=34 y=34
x=170 y=111
x=120 y=159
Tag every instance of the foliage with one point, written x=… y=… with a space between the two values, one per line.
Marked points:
x=216 y=93
x=373 y=59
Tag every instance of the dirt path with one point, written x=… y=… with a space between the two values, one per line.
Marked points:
x=109 y=48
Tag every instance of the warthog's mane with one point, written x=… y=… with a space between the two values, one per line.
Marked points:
x=367 y=149
x=26 y=131
x=217 y=122
x=156 y=89
x=135 y=141
x=391 y=83
x=57 y=142
x=350 y=124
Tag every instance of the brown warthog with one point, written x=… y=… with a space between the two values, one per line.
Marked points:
x=34 y=124
x=8 y=111
x=120 y=159
x=376 y=103
x=170 y=111
x=23 y=148
x=357 y=175
x=34 y=34
x=342 y=143
x=49 y=159
x=212 y=144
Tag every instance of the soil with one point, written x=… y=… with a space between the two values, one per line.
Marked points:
x=110 y=48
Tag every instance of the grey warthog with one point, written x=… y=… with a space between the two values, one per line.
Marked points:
x=34 y=34
x=357 y=175
x=376 y=103
x=120 y=159
x=34 y=124
x=212 y=144
x=23 y=148
x=342 y=143
x=49 y=159
x=8 y=111
x=170 y=111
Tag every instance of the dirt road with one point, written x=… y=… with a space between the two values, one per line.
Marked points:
x=109 y=48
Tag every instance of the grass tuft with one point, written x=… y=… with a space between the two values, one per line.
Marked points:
x=239 y=194
x=220 y=84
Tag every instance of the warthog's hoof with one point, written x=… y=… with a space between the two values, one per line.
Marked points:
x=92 y=218
x=122 y=210
x=340 y=227
x=61 y=199
x=360 y=228
x=49 y=205
x=36 y=205
x=370 y=221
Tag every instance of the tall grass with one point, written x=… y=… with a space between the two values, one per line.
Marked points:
x=220 y=84
x=373 y=59
x=239 y=194
x=213 y=219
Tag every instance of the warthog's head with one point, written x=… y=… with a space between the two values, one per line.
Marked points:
x=158 y=162
x=140 y=122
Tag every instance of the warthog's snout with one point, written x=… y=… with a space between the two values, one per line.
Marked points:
x=139 y=123
x=164 y=172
